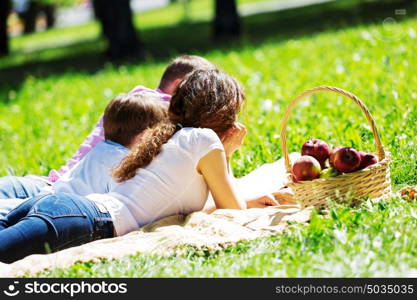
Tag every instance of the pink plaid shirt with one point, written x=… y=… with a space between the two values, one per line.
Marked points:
x=96 y=136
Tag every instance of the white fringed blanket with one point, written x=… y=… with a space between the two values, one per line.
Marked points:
x=220 y=229
x=213 y=231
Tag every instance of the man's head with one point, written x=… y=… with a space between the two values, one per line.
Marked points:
x=179 y=68
x=128 y=115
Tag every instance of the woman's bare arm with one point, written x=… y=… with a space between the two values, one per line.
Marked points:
x=213 y=167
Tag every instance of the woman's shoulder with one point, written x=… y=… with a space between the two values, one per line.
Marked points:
x=197 y=140
x=197 y=135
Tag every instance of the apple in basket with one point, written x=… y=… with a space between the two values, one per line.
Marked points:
x=346 y=159
x=332 y=156
x=317 y=149
x=329 y=172
x=367 y=160
x=306 y=168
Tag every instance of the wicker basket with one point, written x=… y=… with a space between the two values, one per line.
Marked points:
x=372 y=182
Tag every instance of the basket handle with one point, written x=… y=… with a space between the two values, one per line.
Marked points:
x=324 y=88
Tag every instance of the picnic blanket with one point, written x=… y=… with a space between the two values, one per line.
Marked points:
x=168 y=236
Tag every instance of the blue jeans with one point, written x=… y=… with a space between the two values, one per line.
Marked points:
x=13 y=189
x=51 y=222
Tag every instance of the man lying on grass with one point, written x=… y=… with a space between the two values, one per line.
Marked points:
x=13 y=188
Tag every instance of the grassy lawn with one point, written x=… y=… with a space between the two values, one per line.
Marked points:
x=48 y=108
x=49 y=44
x=375 y=241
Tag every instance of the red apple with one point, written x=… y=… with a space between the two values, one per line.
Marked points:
x=317 y=149
x=306 y=168
x=346 y=160
x=332 y=156
x=367 y=160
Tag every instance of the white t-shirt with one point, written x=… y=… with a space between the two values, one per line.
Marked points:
x=93 y=173
x=170 y=184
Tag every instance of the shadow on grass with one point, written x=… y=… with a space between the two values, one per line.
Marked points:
x=165 y=42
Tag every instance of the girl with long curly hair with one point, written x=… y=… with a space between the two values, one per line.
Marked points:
x=170 y=171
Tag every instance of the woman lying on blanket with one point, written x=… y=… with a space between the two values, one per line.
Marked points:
x=170 y=171
x=14 y=189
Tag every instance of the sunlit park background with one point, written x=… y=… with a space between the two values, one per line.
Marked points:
x=59 y=69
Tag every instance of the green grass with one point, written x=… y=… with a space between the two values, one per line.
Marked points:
x=50 y=44
x=48 y=108
x=375 y=241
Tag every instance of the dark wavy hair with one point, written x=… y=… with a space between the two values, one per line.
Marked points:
x=204 y=99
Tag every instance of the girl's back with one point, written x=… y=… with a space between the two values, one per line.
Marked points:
x=169 y=185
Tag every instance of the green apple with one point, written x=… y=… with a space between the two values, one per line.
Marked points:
x=329 y=172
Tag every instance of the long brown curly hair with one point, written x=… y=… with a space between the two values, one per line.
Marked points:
x=205 y=99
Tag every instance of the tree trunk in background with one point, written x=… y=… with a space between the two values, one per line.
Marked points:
x=29 y=17
x=49 y=10
x=5 y=7
x=226 y=20
x=116 y=21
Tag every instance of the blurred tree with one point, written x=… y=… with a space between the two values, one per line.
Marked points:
x=5 y=7
x=117 y=26
x=49 y=11
x=226 y=20
x=29 y=16
x=29 y=10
